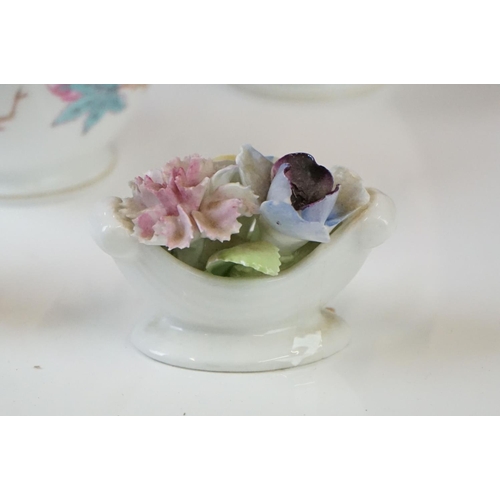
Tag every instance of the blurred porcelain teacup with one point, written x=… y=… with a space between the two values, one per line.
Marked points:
x=57 y=137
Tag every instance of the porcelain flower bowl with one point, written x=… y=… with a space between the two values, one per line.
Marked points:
x=57 y=137
x=205 y=322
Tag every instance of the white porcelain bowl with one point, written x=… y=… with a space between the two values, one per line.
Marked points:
x=207 y=322
x=57 y=137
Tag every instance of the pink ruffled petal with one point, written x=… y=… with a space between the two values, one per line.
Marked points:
x=169 y=197
x=249 y=201
x=145 y=222
x=174 y=231
x=144 y=225
x=177 y=175
x=144 y=192
x=218 y=219
x=193 y=170
x=204 y=166
x=190 y=198
x=194 y=167
x=153 y=178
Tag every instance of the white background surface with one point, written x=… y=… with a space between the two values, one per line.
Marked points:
x=424 y=309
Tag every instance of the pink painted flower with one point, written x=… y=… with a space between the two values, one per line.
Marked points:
x=186 y=200
x=64 y=92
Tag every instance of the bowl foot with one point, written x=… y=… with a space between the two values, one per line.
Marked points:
x=226 y=351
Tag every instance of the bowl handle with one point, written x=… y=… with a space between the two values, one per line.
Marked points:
x=378 y=221
x=109 y=230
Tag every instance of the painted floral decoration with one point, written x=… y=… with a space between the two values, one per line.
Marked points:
x=88 y=101
x=19 y=96
x=241 y=216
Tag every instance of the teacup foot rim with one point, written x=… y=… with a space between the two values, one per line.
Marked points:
x=77 y=174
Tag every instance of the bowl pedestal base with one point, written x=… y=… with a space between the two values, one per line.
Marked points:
x=211 y=349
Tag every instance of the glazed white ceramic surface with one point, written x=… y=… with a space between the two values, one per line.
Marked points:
x=39 y=157
x=213 y=323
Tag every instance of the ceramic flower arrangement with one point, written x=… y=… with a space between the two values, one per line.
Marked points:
x=235 y=217
x=248 y=215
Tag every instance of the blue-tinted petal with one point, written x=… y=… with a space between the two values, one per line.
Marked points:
x=319 y=211
x=280 y=189
x=283 y=218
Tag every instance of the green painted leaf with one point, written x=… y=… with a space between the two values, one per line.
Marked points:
x=74 y=110
x=93 y=117
x=259 y=256
x=115 y=103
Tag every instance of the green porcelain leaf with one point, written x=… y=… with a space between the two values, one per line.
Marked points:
x=239 y=271
x=248 y=259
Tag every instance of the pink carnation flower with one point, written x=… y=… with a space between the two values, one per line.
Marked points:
x=188 y=199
